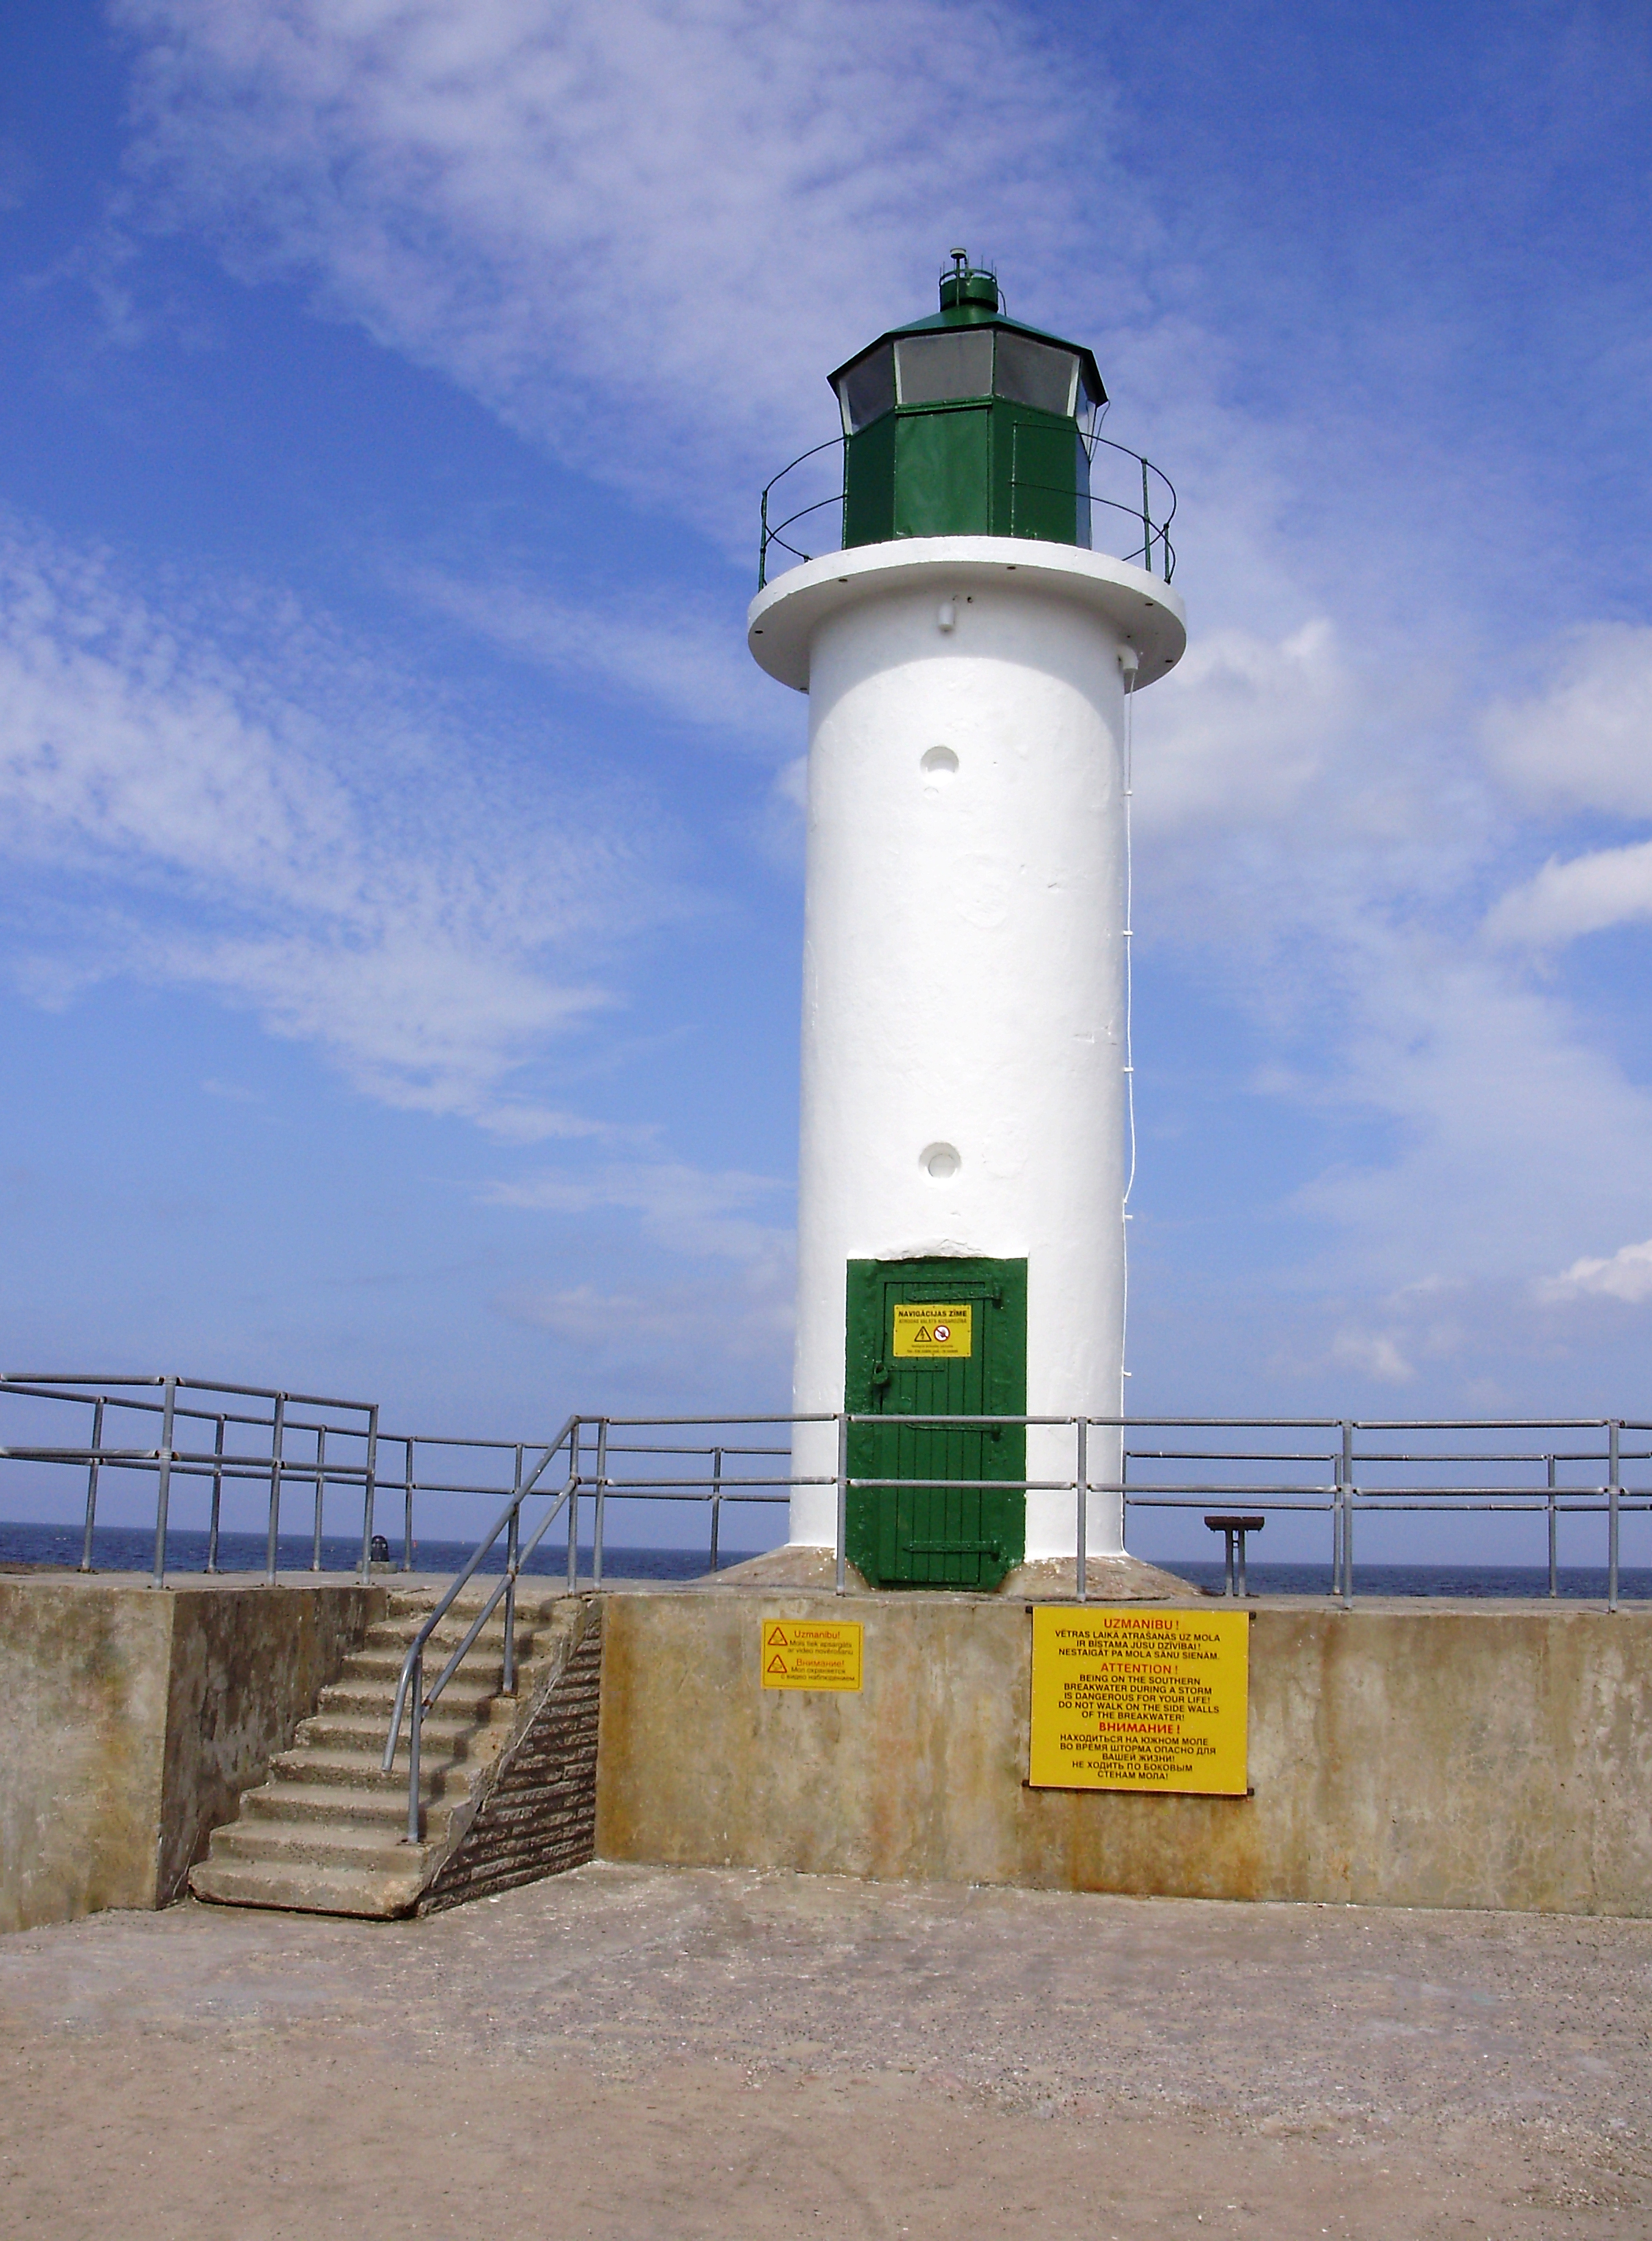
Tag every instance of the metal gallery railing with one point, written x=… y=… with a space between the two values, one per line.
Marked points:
x=1124 y=504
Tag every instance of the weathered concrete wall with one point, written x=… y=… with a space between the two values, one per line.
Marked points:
x=83 y=1685
x=135 y=1717
x=1416 y=1754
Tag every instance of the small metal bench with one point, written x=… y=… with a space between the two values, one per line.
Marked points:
x=1235 y=1527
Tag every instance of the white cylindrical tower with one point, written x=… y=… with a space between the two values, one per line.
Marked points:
x=964 y=1136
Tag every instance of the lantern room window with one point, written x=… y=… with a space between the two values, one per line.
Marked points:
x=934 y=369
x=1037 y=374
x=866 y=389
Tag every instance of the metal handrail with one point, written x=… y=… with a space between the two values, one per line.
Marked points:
x=411 y=1674
x=1154 y=529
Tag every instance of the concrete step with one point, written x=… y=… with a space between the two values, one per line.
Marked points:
x=377 y=1892
x=363 y=1768
x=385 y=1807
x=375 y=1698
x=385 y=1666
x=442 y=1732
x=322 y=1844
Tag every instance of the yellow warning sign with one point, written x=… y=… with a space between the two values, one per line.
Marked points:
x=810 y=1652
x=1139 y=1700
x=942 y=1329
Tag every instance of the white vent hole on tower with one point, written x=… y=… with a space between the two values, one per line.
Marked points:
x=939 y=765
x=939 y=1162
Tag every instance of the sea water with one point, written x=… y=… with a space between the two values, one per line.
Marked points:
x=131 y=1548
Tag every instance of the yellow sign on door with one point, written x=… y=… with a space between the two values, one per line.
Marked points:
x=810 y=1652
x=1139 y=1700
x=942 y=1329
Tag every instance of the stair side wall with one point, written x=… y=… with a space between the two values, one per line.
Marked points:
x=535 y=1814
x=248 y=1663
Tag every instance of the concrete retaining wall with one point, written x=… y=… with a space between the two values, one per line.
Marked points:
x=135 y=1717
x=1402 y=1753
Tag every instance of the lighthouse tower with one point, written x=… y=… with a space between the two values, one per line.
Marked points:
x=966 y=654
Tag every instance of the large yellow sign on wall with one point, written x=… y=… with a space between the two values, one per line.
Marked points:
x=1139 y=1700
x=810 y=1652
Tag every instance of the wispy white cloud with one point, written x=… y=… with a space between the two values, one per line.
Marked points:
x=738 y=1311
x=221 y=795
x=646 y=646
x=1608 y=887
x=1242 y=728
x=685 y=1207
x=1587 y=737
x=1375 y=1353
x=668 y=1323
x=1625 y=1275
x=638 y=232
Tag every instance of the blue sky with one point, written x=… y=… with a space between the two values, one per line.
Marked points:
x=399 y=946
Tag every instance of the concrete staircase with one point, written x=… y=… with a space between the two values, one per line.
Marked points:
x=325 y=1833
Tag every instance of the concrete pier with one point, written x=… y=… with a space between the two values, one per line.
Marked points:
x=1402 y=1753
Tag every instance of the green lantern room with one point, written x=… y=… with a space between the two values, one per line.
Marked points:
x=967 y=424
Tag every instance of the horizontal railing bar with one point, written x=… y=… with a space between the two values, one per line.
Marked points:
x=639 y=1423
x=1134 y=1501
x=190 y=1385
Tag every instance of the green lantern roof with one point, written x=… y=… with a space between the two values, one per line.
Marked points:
x=967 y=350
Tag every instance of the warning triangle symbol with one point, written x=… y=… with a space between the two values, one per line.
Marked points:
x=776 y=1664
x=777 y=1638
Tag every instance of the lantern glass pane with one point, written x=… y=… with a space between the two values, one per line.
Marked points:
x=866 y=391
x=934 y=369
x=1037 y=374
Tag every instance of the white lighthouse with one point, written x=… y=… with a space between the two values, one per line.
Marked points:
x=966 y=654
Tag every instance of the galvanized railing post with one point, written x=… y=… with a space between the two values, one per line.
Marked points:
x=1147 y=523
x=1345 y=1476
x=321 y=1482
x=1336 y=1527
x=407 y=1513
x=574 y=1508
x=415 y=1726
x=602 y=1474
x=1081 y=1489
x=1554 y=1533
x=277 y=1423
x=217 y=1498
x=1614 y=1496
x=91 y=1482
x=843 y=1501
x=370 y=1486
x=512 y=1546
x=717 y=1500
x=163 y=1479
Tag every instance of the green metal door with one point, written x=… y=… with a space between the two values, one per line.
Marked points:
x=936 y=1337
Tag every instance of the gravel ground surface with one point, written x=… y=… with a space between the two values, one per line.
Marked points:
x=647 y=2052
